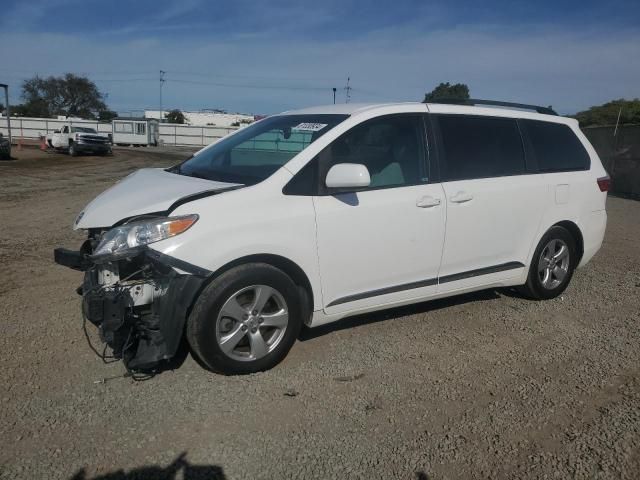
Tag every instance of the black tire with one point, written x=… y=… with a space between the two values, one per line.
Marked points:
x=72 y=150
x=201 y=325
x=534 y=288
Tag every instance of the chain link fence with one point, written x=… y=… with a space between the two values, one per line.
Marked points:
x=620 y=154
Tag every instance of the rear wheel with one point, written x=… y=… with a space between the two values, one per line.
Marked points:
x=552 y=266
x=246 y=320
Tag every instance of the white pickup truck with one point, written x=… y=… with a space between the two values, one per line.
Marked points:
x=79 y=140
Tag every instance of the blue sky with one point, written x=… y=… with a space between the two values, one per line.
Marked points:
x=268 y=56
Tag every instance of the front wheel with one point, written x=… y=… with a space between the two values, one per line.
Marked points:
x=73 y=151
x=552 y=265
x=246 y=320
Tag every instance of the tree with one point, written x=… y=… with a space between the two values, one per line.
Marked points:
x=607 y=114
x=107 y=115
x=20 y=110
x=68 y=95
x=458 y=91
x=175 y=116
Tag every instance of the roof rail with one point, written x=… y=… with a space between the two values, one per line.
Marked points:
x=495 y=103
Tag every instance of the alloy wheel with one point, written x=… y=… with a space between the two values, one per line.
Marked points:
x=252 y=322
x=553 y=264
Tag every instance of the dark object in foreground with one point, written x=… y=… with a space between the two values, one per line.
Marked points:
x=5 y=148
x=170 y=472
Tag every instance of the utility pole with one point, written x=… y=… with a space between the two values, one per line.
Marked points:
x=162 y=80
x=6 y=109
x=334 y=95
x=347 y=90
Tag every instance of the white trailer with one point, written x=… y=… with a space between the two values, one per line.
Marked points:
x=135 y=132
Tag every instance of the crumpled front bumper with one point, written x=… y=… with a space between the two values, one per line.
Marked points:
x=139 y=304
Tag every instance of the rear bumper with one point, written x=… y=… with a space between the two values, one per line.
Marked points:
x=139 y=315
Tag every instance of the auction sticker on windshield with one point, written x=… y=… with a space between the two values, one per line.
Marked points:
x=309 y=127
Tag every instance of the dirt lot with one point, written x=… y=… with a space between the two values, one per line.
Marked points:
x=483 y=386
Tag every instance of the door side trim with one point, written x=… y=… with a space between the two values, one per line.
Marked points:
x=481 y=271
x=383 y=291
x=428 y=282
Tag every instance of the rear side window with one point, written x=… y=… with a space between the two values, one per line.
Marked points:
x=556 y=147
x=480 y=147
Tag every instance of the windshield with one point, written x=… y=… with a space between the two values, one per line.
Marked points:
x=82 y=130
x=256 y=152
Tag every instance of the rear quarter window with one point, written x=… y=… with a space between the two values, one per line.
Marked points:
x=555 y=146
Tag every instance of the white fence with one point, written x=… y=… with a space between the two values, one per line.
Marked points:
x=170 y=133
x=174 y=134
x=34 y=128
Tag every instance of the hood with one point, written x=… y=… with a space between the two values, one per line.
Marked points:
x=149 y=190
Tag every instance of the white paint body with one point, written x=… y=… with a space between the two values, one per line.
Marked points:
x=346 y=175
x=347 y=244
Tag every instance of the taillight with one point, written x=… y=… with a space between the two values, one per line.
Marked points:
x=604 y=183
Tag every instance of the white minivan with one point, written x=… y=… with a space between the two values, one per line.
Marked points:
x=313 y=215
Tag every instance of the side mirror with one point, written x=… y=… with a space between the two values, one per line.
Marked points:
x=348 y=175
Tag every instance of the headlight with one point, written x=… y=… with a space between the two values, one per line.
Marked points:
x=122 y=240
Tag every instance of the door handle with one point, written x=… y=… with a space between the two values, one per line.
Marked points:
x=427 y=202
x=462 y=197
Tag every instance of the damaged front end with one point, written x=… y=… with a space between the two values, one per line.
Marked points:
x=139 y=299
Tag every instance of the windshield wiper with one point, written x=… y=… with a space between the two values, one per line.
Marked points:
x=197 y=175
x=178 y=168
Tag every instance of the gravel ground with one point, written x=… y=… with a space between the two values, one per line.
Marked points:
x=481 y=386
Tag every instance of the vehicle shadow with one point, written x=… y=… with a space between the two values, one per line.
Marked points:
x=306 y=334
x=395 y=312
x=180 y=468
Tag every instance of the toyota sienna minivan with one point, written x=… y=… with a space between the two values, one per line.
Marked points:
x=313 y=215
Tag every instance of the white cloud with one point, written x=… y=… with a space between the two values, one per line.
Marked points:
x=545 y=65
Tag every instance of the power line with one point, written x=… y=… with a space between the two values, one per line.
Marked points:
x=144 y=77
x=107 y=80
x=172 y=72
x=253 y=77
x=244 y=85
x=139 y=76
